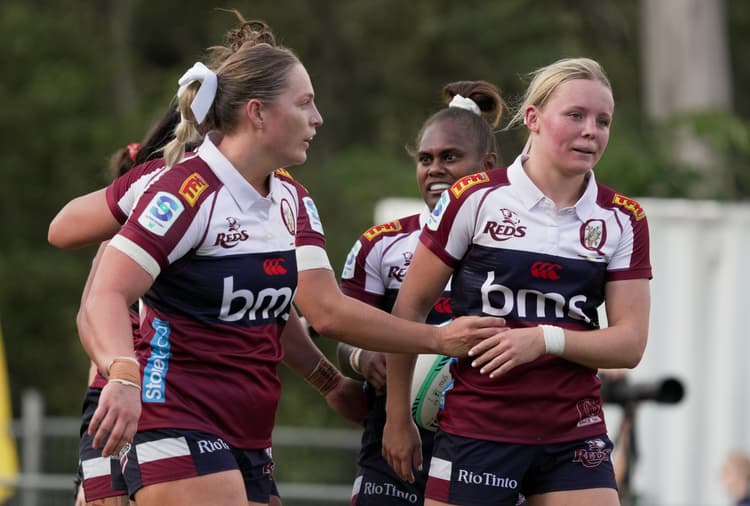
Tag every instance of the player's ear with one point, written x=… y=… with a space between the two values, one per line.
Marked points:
x=490 y=161
x=531 y=118
x=254 y=112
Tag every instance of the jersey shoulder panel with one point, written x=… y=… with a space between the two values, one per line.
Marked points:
x=610 y=199
x=390 y=228
x=478 y=181
x=285 y=175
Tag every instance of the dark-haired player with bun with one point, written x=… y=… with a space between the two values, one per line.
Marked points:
x=454 y=142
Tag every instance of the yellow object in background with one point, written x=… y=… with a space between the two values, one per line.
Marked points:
x=8 y=454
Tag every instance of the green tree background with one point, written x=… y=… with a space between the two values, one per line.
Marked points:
x=82 y=79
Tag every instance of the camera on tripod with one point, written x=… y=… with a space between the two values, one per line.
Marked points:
x=620 y=391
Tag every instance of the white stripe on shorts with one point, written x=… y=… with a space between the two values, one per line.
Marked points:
x=162 y=449
x=357 y=485
x=440 y=468
x=93 y=468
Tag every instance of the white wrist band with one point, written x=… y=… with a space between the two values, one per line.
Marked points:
x=354 y=360
x=554 y=339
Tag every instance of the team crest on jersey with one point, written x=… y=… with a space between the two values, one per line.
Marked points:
x=161 y=213
x=287 y=216
x=312 y=212
x=351 y=261
x=391 y=226
x=629 y=205
x=192 y=187
x=593 y=235
x=467 y=182
x=433 y=220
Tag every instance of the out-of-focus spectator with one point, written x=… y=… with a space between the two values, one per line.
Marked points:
x=735 y=476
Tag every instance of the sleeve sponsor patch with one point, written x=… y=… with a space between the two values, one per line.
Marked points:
x=312 y=212
x=161 y=213
x=391 y=226
x=351 y=261
x=467 y=182
x=433 y=220
x=629 y=205
x=192 y=187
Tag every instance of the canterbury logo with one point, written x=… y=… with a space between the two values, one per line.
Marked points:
x=443 y=305
x=274 y=266
x=545 y=270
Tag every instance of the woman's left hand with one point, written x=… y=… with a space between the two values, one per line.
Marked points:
x=500 y=353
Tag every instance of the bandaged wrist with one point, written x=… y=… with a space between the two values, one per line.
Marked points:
x=554 y=339
x=125 y=368
x=324 y=377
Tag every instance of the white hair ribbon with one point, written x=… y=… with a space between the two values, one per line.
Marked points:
x=206 y=93
x=465 y=103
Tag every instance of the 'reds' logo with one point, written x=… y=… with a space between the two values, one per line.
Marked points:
x=507 y=228
x=232 y=236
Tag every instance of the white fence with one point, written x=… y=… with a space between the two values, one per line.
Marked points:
x=700 y=252
x=36 y=486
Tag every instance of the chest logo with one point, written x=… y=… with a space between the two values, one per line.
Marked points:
x=507 y=228
x=233 y=236
x=593 y=235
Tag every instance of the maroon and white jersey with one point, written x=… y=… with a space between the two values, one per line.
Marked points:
x=121 y=196
x=378 y=262
x=224 y=261
x=124 y=191
x=515 y=256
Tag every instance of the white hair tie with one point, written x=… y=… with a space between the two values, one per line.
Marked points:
x=206 y=93
x=465 y=103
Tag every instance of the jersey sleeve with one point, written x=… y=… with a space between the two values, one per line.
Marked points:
x=631 y=260
x=310 y=238
x=361 y=277
x=123 y=192
x=449 y=230
x=167 y=221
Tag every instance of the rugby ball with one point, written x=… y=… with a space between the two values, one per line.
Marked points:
x=431 y=379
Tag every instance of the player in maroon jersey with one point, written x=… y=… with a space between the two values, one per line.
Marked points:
x=452 y=143
x=216 y=246
x=541 y=244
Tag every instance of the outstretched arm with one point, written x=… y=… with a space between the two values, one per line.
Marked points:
x=346 y=319
x=83 y=221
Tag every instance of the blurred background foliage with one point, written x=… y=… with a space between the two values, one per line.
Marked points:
x=82 y=79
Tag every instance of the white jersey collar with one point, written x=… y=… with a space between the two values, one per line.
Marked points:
x=530 y=195
x=238 y=187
